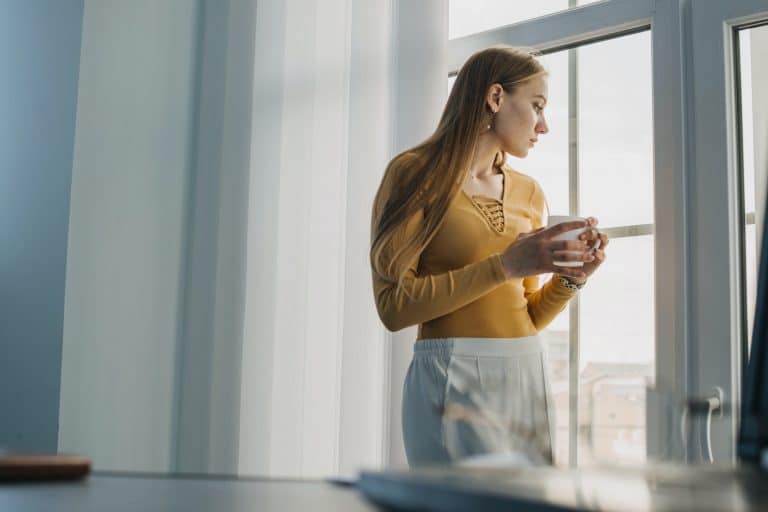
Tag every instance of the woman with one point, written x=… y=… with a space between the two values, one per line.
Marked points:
x=457 y=245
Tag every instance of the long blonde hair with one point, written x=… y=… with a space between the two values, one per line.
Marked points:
x=427 y=177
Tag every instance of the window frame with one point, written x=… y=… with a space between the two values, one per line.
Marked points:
x=718 y=294
x=606 y=20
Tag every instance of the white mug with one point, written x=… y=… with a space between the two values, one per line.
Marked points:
x=570 y=235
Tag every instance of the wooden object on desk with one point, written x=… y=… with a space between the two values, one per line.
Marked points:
x=41 y=467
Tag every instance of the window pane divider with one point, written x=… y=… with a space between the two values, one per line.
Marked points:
x=573 y=206
x=560 y=30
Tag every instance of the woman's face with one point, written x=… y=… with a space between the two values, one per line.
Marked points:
x=520 y=115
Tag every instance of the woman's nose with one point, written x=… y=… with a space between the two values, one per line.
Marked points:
x=541 y=126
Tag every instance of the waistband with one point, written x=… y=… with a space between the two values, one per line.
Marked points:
x=489 y=347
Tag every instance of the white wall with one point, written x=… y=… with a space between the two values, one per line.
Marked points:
x=126 y=254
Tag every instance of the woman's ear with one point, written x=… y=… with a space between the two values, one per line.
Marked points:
x=493 y=98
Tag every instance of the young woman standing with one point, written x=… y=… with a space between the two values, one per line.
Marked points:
x=457 y=245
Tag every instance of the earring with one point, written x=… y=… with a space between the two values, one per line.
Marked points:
x=493 y=117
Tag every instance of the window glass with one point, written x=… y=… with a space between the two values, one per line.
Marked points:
x=753 y=82
x=471 y=16
x=616 y=360
x=616 y=131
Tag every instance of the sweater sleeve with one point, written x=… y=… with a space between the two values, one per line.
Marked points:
x=423 y=298
x=546 y=302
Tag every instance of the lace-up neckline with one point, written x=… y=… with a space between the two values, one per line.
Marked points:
x=493 y=211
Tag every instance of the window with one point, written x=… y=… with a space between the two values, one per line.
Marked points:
x=753 y=81
x=690 y=202
x=610 y=326
x=601 y=349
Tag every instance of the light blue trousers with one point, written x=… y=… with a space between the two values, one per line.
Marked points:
x=469 y=397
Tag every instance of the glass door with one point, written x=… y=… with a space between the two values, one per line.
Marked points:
x=657 y=127
x=752 y=104
x=598 y=160
x=727 y=134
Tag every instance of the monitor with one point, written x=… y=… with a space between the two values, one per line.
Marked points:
x=752 y=445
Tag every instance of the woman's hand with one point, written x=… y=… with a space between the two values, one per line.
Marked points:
x=590 y=237
x=535 y=252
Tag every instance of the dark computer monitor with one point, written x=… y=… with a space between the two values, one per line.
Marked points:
x=753 y=433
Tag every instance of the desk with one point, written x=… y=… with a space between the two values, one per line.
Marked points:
x=445 y=489
x=648 y=488
x=133 y=492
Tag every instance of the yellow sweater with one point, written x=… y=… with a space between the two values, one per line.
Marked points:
x=458 y=287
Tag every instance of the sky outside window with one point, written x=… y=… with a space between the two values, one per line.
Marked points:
x=472 y=16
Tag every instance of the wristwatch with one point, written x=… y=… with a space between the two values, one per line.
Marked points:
x=568 y=284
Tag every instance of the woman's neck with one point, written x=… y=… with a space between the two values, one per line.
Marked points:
x=482 y=162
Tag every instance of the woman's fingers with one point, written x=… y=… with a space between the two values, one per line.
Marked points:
x=568 y=245
x=557 y=229
x=529 y=233
x=572 y=256
x=592 y=236
x=599 y=255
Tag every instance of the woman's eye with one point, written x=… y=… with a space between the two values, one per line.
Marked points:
x=538 y=107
